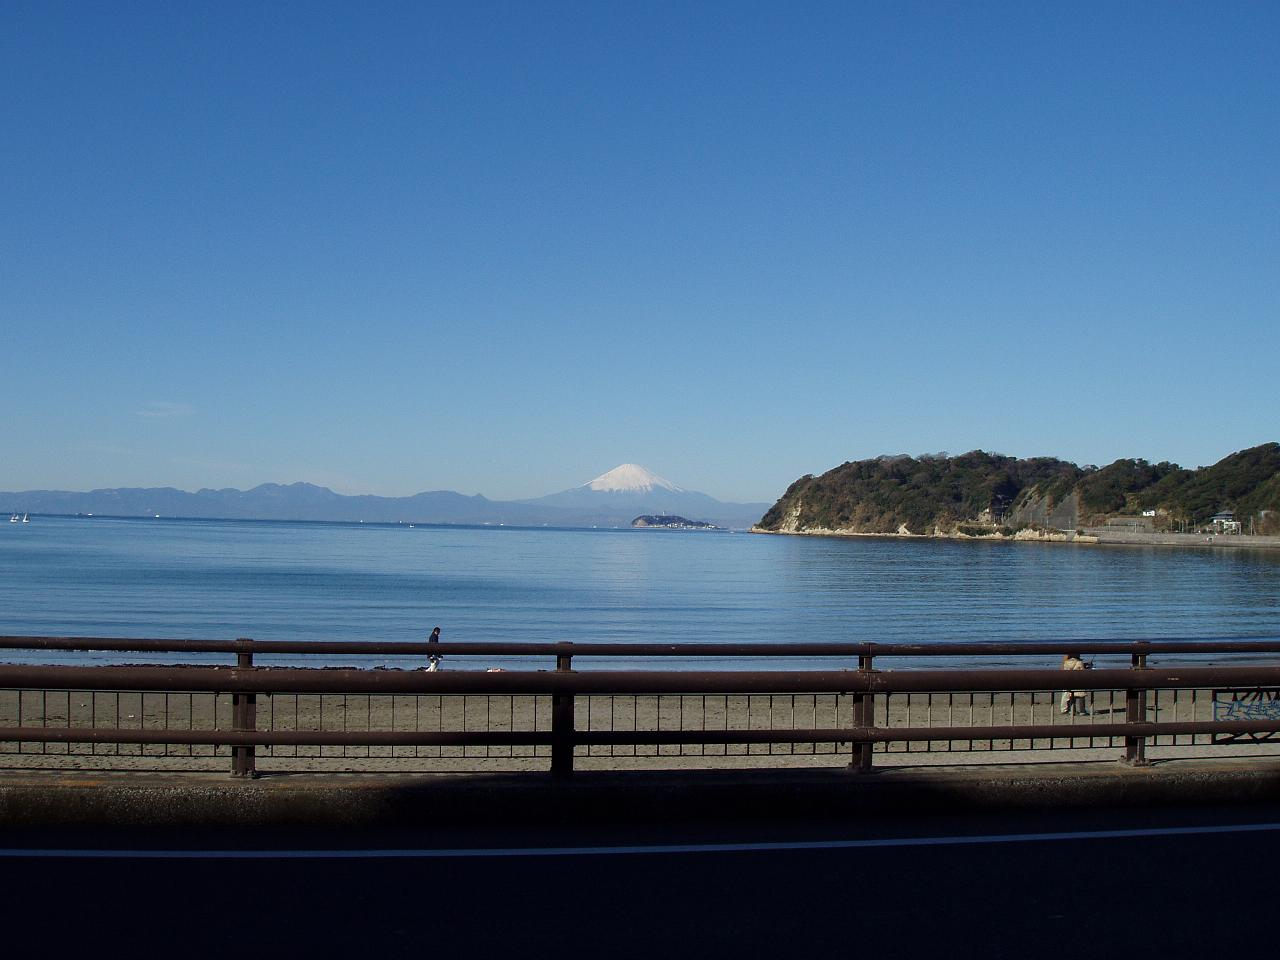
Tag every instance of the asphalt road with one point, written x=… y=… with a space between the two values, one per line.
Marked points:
x=1103 y=883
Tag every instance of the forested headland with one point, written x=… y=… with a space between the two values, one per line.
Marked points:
x=989 y=494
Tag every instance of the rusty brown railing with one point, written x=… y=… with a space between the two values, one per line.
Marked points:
x=860 y=683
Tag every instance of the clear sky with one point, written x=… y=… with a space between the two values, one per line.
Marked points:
x=503 y=247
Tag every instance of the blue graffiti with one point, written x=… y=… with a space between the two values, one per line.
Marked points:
x=1242 y=710
x=1245 y=705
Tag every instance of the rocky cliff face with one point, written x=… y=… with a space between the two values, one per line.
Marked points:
x=1036 y=510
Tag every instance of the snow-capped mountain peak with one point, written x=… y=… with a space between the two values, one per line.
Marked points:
x=630 y=478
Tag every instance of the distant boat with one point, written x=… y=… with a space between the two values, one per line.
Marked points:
x=14 y=518
x=25 y=518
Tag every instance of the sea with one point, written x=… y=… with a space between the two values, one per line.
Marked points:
x=218 y=579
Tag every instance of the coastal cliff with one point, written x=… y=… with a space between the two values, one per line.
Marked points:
x=992 y=496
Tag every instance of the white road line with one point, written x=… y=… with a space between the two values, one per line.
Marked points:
x=661 y=849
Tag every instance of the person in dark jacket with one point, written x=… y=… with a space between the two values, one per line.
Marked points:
x=433 y=659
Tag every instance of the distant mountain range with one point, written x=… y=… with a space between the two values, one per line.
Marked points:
x=613 y=499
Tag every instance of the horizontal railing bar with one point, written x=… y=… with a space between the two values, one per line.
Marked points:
x=228 y=679
x=301 y=738
x=1051 y=731
x=737 y=650
x=1043 y=648
x=1039 y=731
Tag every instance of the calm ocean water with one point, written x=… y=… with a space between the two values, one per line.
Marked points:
x=220 y=579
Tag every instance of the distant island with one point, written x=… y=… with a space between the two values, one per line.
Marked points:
x=668 y=522
x=993 y=496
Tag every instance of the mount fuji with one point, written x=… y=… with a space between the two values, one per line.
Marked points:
x=617 y=497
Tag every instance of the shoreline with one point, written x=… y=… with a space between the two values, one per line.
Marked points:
x=1094 y=536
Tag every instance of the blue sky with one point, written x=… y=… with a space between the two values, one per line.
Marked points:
x=501 y=248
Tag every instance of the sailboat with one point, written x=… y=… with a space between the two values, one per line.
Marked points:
x=14 y=518
x=26 y=518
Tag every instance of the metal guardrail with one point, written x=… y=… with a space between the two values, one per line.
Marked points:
x=862 y=687
x=615 y=650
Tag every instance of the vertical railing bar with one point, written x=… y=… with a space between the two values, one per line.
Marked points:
x=244 y=716
x=680 y=721
x=1111 y=703
x=1195 y=709
x=1011 y=713
x=951 y=715
x=991 y=718
x=345 y=707
x=562 y=720
x=906 y=745
x=928 y=715
x=1155 y=706
x=724 y=722
x=769 y=714
x=861 y=759
x=789 y=748
x=613 y=722
x=971 y=724
x=1136 y=712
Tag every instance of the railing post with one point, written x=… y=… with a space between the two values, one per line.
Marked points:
x=864 y=715
x=562 y=721
x=244 y=716
x=1135 y=711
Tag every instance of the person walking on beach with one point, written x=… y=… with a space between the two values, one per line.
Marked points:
x=1073 y=701
x=433 y=659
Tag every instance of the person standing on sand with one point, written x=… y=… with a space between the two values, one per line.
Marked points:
x=1073 y=701
x=433 y=659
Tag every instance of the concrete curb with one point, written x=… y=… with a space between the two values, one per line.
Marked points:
x=359 y=800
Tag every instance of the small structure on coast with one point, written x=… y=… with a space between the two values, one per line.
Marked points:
x=1225 y=522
